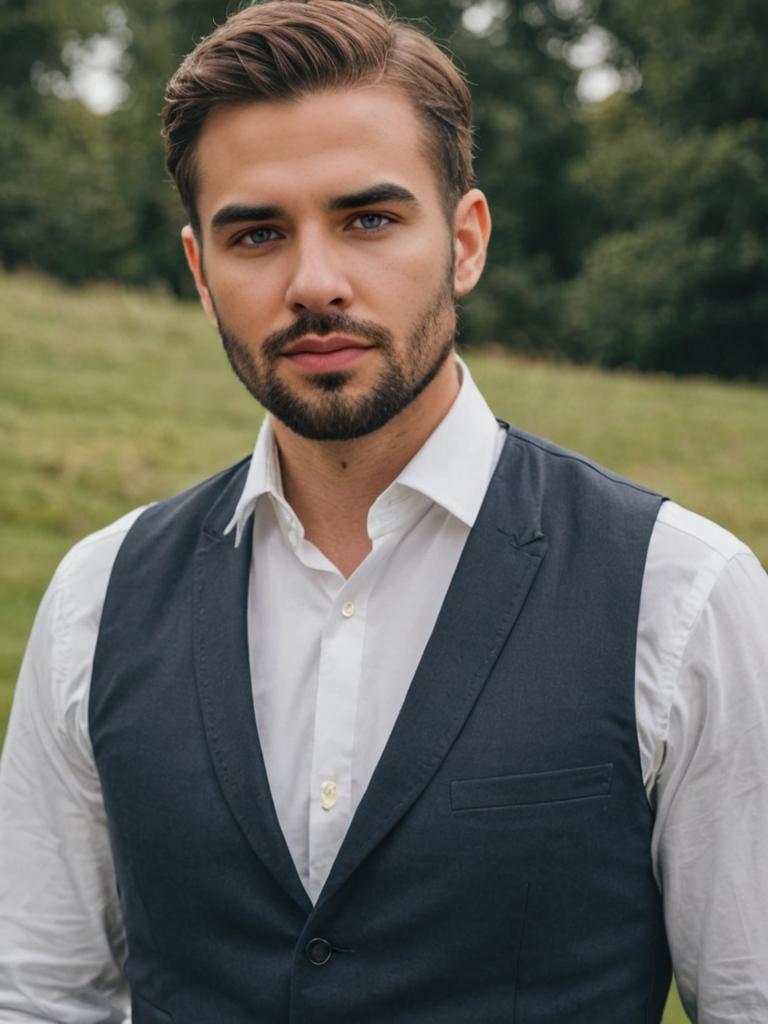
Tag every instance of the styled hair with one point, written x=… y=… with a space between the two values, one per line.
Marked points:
x=287 y=49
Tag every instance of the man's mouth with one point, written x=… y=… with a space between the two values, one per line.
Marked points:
x=326 y=354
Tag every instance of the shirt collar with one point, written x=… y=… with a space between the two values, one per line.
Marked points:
x=263 y=479
x=452 y=468
x=454 y=465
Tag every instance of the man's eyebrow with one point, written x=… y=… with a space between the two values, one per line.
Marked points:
x=236 y=213
x=383 y=193
x=386 y=192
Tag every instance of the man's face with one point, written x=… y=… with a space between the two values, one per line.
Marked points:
x=325 y=257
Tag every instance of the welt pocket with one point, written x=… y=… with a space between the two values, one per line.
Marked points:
x=534 y=788
x=143 y=1012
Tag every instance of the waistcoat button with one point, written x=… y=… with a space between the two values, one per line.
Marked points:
x=318 y=951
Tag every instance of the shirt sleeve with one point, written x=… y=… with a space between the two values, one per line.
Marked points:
x=62 y=943
x=711 y=833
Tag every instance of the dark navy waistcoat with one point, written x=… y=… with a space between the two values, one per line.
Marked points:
x=497 y=870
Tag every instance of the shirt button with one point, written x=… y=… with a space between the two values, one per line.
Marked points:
x=348 y=609
x=328 y=794
x=318 y=951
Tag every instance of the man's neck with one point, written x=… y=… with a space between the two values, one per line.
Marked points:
x=331 y=485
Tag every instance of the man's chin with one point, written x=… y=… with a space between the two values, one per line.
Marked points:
x=331 y=382
x=316 y=426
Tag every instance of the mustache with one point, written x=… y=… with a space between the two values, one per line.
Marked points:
x=322 y=324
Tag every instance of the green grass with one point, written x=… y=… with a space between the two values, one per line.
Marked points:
x=110 y=399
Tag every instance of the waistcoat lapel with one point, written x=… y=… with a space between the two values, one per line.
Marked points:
x=224 y=688
x=497 y=567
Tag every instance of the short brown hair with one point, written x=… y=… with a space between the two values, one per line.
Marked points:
x=285 y=49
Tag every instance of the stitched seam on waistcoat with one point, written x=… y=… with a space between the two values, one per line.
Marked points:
x=558 y=453
x=501 y=633
x=208 y=718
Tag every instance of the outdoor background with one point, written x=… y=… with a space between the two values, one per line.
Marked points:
x=624 y=311
x=622 y=144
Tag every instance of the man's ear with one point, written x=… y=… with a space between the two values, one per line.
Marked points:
x=194 y=253
x=471 y=231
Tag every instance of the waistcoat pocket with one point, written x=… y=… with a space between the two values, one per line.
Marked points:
x=143 y=1012
x=534 y=788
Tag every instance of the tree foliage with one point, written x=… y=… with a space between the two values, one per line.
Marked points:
x=675 y=274
x=628 y=232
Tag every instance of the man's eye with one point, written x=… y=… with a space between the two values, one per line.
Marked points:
x=371 y=221
x=258 y=236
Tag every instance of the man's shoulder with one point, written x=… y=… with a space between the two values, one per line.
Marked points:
x=565 y=488
x=573 y=462
x=90 y=559
x=683 y=535
x=87 y=566
x=695 y=533
x=210 y=503
x=687 y=557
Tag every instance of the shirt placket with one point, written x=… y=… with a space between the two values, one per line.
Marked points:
x=338 y=685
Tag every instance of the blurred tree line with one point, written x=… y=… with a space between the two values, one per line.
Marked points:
x=626 y=232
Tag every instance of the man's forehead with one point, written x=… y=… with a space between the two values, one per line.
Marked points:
x=329 y=144
x=326 y=118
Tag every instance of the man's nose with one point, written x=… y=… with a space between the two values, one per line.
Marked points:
x=319 y=281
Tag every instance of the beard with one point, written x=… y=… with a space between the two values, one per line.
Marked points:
x=328 y=413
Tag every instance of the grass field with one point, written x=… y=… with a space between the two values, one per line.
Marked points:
x=110 y=399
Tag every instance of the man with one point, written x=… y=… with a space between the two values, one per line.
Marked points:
x=413 y=717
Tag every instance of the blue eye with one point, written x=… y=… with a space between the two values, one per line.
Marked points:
x=259 y=236
x=372 y=221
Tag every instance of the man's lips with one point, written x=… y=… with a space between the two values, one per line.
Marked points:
x=326 y=354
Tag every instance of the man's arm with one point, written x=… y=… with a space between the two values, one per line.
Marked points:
x=61 y=935
x=711 y=835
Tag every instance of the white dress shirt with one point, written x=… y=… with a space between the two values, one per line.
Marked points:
x=331 y=662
